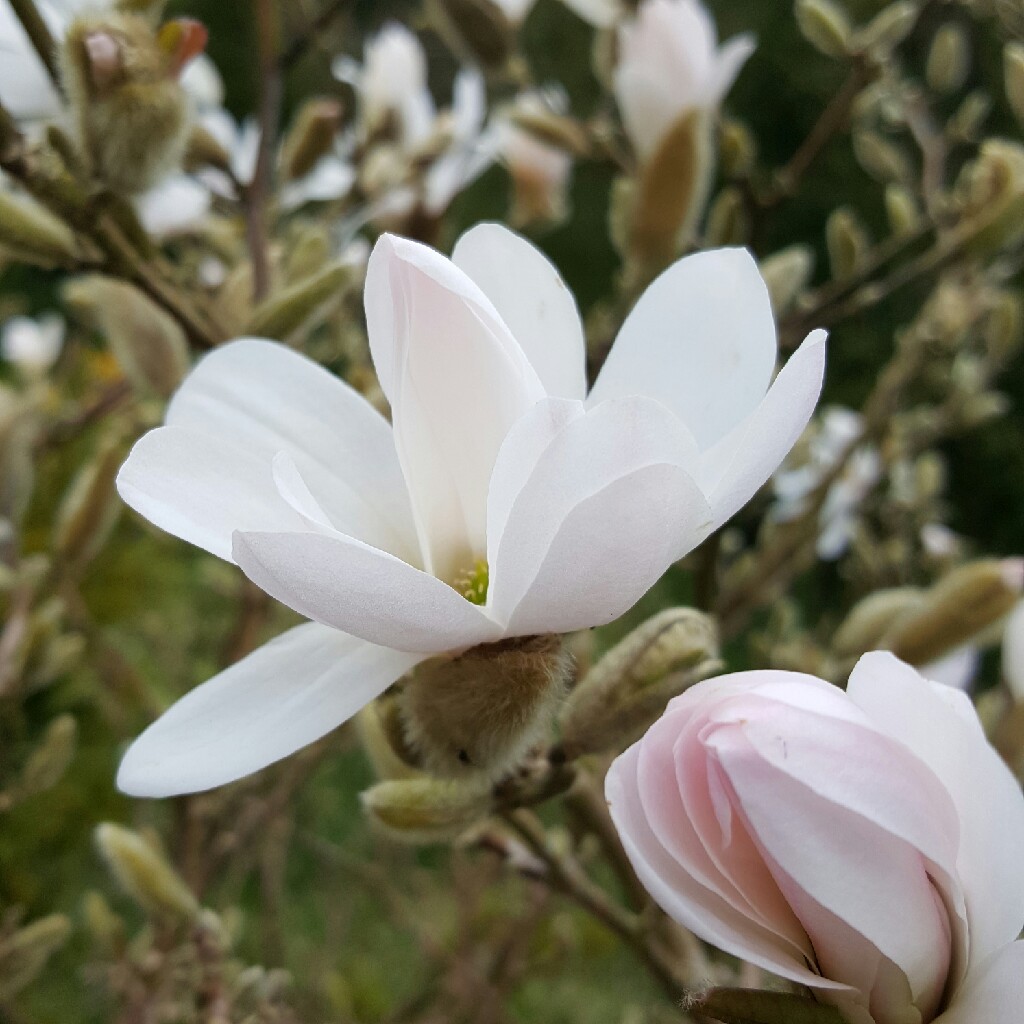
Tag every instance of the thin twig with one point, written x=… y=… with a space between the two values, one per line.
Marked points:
x=297 y=48
x=39 y=36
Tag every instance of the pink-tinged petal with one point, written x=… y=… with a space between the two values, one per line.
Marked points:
x=940 y=726
x=728 y=64
x=882 y=890
x=265 y=398
x=533 y=300
x=282 y=697
x=341 y=582
x=701 y=340
x=735 y=468
x=994 y=993
x=202 y=487
x=456 y=379
x=674 y=888
x=606 y=508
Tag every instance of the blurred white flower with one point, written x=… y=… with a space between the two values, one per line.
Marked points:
x=500 y=478
x=331 y=178
x=837 y=429
x=32 y=345
x=540 y=172
x=177 y=205
x=668 y=64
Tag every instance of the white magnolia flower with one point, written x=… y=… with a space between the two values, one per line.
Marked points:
x=499 y=468
x=838 y=429
x=32 y=345
x=669 y=63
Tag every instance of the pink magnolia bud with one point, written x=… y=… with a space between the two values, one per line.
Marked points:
x=865 y=844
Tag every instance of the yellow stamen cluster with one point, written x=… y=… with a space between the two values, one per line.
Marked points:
x=472 y=584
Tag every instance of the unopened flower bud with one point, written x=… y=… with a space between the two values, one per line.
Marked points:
x=889 y=27
x=426 y=810
x=148 y=344
x=551 y=128
x=825 y=26
x=991 y=192
x=90 y=507
x=630 y=686
x=24 y=954
x=883 y=160
x=671 y=192
x=479 y=713
x=966 y=603
x=967 y=123
x=1013 y=74
x=787 y=273
x=872 y=617
x=47 y=764
x=291 y=308
x=383 y=738
x=949 y=59
x=144 y=873
x=105 y=928
x=30 y=233
x=737 y=148
x=311 y=137
x=477 y=29
x=121 y=77
x=847 y=242
x=728 y=221
x=1002 y=328
x=901 y=209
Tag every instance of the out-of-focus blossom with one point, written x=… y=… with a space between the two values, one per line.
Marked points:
x=397 y=112
x=502 y=501
x=240 y=141
x=32 y=345
x=866 y=845
x=837 y=430
x=332 y=177
x=668 y=64
x=177 y=205
x=540 y=172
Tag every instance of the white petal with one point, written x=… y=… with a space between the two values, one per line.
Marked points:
x=994 y=993
x=202 y=487
x=265 y=398
x=178 y=204
x=26 y=89
x=362 y=590
x=282 y=697
x=734 y=469
x=599 y=13
x=457 y=380
x=939 y=724
x=1013 y=652
x=607 y=507
x=730 y=60
x=957 y=669
x=533 y=300
x=701 y=340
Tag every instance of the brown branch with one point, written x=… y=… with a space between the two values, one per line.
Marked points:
x=39 y=36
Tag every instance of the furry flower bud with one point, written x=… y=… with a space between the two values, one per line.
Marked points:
x=426 y=810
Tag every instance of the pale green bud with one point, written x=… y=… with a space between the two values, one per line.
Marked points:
x=728 y=220
x=311 y=137
x=144 y=873
x=106 y=929
x=889 y=27
x=872 y=617
x=787 y=273
x=1003 y=327
x=47 y=764
x=1013 y=73
x=825 y=26
x=970 y=117
x=308 y=253
x=847 y=242
x=90 y=507
x=148 y=344
x=902 y=210
x=630 y=686
x=883 y=160
x=426 y=810
x=737 y=148
x=290 y=309
x=949 y=59
x=24 y=954
x=32 y=234
x=991 y=194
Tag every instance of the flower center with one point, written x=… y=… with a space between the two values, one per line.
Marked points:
x=472 y=584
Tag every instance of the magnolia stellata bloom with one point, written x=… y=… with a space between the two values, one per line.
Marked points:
x=866 y=844
x=500 y=478
x=668 y=64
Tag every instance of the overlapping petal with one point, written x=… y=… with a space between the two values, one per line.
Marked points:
x=995 y=992
x=283 y=696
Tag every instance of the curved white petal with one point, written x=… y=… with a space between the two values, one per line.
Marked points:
x=728 y=64
x=734 y=469
x=341 y=582
x=178 y=204
x=608 y=505
x=701 y=340
x=995 y=992
x=533 y=300
x=282 y=697
x=457 y=380
x=265 y=398
x=940 y=726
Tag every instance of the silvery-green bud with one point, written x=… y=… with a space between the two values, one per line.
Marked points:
x=728 y=221
x=902 y=210
x=1003 y=326
x=290 y=309
x=991 y=194
x=1013 y=73
x=889 y=27
x=847 y=242
x=144 y=873
x=949 y=59
x=106 y=929
x=966 y=124
x=30 y=233
x=47 y=764
x=426 y=810
x=737 y=148
x=24 y=954
x=90 y=508
x=311 y=137
x=148 y=344
x=787 y=273
x=872 y=617
x=630 y=686
x=883 y=160
x=825 y=26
